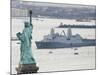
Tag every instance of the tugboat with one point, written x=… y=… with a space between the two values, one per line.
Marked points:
x=56 y=40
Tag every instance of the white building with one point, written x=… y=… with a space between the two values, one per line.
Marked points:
x=15 y=12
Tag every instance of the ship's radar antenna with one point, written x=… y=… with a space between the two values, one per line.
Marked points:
x=61 y=24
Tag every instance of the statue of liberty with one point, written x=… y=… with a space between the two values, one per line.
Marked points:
x=27 y=63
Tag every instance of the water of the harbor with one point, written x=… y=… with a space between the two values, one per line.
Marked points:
x=49 y=60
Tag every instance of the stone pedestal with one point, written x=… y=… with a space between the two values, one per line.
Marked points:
x=27 y=68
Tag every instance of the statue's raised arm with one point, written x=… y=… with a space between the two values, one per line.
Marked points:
x=30 y=15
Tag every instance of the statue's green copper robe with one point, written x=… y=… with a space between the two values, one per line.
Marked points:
x=25 y=37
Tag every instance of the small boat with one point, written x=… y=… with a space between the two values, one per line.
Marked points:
x=76 y=53
x=75 y=49
x=50 y=52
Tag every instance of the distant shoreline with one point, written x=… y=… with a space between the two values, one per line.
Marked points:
x=18 y=17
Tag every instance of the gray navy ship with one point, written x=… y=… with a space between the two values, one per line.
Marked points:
x=56 y=40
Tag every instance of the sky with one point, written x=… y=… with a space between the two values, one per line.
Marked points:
x=86 y=2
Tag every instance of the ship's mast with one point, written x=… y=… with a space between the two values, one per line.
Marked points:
x=52 y=31
x=69 y=33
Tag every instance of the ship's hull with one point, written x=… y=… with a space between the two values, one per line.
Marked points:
x=48 y=45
